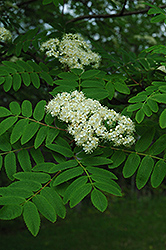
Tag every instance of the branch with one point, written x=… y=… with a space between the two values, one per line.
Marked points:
x=123 y=8
x=121 y=14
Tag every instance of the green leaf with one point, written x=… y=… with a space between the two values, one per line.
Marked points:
x=31 y=176
x=26 y=45
x=60 y=149
x=4 y=143
x=161 y=98
x=31 y=217
x=44 y=167
x=16 y=82
x=79 y=182
x=56 y=2
x=2 y=79
x=10 y=165
x=62 y=142
x=26 y=108
x=24 y=160
x=96 y=93
x=18 y=48
x=134 y=107
x=35 y=66
x=147 y=110
x=92 y=84
x=162 y=88
x=153 y=105
x=60 y=89
x=109 y=188
x=140 y=115
x=137 y=98
x=7 y=123
x=18 y=130
x=24 y=65
x=110 y=89
x=68 y=175
x=63 y=166
x=37 y=155
x=35 y=79
x=145 y=141
x=162 y=119
x=158 y=146
x=26 y=78
x=27 y=184
x=79 y=194
x=58 y=157
x=46 y=77
x=15 y=191
x=99 y=200
x=122 y=88
x=158 y=174
x=67 y=82
x=49 y=119
x=8 y=83
x=55 y=200
x=118 y=157
x=46 y=2
x=77 y=72
x=101 y=172
x=90 y=73
x=10 y=212
x=29 y=132
x=131 y=165
x=4 y=112
x=68 y=75
x=153 y=10
x=51 y=135
x=96 y=161
x=44 y=207
x=39 y=110
x=41 y=135
x=9 y=200
x=15 y=108
x=158 y=18
x=144 y=171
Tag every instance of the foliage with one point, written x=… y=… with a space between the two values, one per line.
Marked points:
x=45 y=167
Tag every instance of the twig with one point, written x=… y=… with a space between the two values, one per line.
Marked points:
x=121 y=14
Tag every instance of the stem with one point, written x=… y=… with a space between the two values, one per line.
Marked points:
x=41 y=188
x=41 y=123
x=85 y=171
x=138 y=153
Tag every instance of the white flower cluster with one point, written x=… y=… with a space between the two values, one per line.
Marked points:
x=5 y=34
x=72 y=51
x=90 y=122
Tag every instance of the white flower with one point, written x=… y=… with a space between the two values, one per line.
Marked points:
x=89 y=122
x=5 y=34
x=72 y=51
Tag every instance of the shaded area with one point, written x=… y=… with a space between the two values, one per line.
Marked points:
x=127 y=224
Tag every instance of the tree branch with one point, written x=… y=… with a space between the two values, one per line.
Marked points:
x=123 y=8
x=121 y=14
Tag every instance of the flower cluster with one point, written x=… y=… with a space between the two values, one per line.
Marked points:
x=90 y=122
x=72 y=51
x=5 y=34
